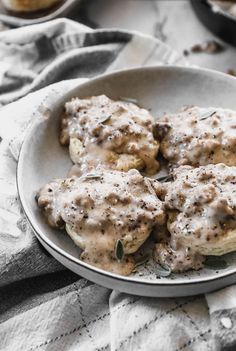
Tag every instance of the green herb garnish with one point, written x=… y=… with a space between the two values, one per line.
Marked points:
x=163 y=271
x=214 y=262
x=119 y=250
x=92 y=176
x=141 y=260
x=104 y=119
x=207 y=114
x=164 y=179
x=127 y=99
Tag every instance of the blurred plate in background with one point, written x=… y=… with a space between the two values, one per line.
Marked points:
x=23 y=19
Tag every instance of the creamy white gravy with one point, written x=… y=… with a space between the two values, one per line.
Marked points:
x=115 y=134
x=101 y=207
x=199 y=136
x=201 y=206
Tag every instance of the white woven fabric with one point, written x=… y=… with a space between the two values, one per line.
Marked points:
x=42 y=305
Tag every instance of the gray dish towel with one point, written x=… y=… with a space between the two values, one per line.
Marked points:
x=43 y=306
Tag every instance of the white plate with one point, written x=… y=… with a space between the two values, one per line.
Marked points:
x=163 y=89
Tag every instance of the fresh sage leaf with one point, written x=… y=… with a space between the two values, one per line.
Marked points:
x=163 y=271
x=105 y=119
x=119 y=250
x=141 y=260
x=92 y=176
x=127 y=99
x=214 y=262
x=165 y=179
x=206 y=115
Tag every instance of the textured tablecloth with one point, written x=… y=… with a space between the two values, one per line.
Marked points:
x=43 y=306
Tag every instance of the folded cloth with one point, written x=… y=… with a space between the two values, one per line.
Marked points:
x=43 y=306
